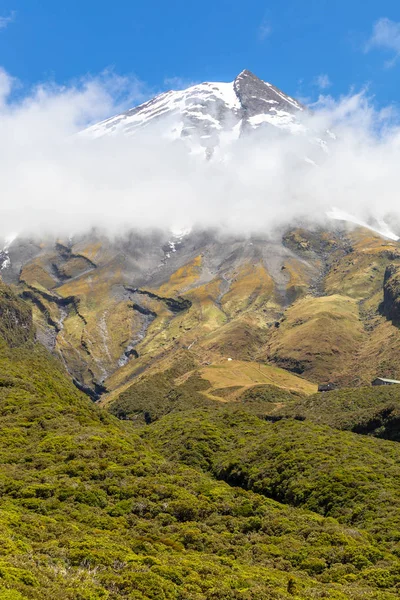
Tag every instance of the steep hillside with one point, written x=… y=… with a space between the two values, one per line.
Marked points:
x=186 y=384
x=115 y=310
x=338 y=474
x=318 y=337
x=91 y=511
x=16 y=327
x=370 y=411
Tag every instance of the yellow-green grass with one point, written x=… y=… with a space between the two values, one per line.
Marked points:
x=359 y=274
x=182 y=279
x=379 y=356
x=319 y=337
x=36 y=275
x=243 y=375
x=300 y=277
x=250 y=286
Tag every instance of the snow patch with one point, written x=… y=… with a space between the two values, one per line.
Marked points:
x=382 y=229
x=279 y=118
x=178 y=233
x=6 y=262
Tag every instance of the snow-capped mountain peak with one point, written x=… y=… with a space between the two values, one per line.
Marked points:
x=208 y=115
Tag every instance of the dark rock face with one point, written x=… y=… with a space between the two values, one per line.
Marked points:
x=391 y=294
x=259 y=97
x=175 y=305
x=16 y=326
x=94 y=393
x=19 y=254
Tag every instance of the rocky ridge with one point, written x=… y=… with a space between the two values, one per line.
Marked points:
x=210 y=115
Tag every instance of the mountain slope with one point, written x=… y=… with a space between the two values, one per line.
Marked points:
x=91 y=512
x=339 y=474
x=369 y=411
x=119 y=309
x=115 y=310
x=224 y=477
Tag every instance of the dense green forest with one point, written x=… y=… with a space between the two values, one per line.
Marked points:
x=370 y=410
x=212 y=502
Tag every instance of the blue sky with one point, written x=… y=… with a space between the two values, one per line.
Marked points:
x=304 y=47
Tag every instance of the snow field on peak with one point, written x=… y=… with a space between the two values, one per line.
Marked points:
x=190 y=102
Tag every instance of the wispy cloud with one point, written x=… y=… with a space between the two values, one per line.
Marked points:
x=386 y=36
x=178 y=83
x=264 y=30
x=5 y=21
x=56 y=181
x=323 y=81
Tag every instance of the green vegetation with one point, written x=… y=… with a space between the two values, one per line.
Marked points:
x=158 y=395
x=209 y=502
x=183 y=386
x=370 y=411
x=15 y=318
x=262 y=394
x=352 y=478
x=163 y=393
x=89 y=511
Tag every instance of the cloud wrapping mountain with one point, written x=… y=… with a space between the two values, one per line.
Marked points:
x=55 y=180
